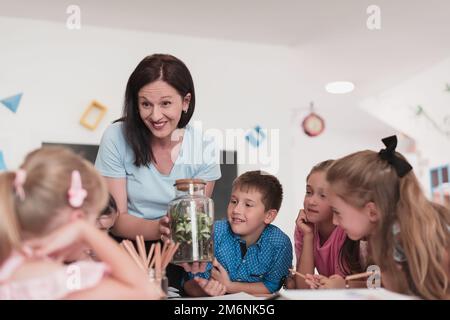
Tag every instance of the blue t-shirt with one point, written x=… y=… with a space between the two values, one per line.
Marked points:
x=267 y=261
x=149 y=191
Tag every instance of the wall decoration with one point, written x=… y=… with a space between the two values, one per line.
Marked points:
x=313 y=125
x=443 y=128
x=440 y=186
x=255 y=137
x=12 y=103
x=2 y=162
x=93 y=114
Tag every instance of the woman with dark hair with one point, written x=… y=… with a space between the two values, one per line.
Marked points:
x=152 y=145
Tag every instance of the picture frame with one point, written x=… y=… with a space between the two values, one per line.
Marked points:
x=94 y=107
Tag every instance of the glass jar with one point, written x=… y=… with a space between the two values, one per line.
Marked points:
x=191 y=222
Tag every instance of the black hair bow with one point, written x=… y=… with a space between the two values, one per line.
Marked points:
x=402 y=167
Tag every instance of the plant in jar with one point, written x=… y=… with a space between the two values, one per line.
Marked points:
x=191 y=225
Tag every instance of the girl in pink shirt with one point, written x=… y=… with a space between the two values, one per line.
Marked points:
x=318 y=242
x=51 y=204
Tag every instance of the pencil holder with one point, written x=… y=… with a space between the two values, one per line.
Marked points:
x=161 y=279
x=191 y=222
x=154 y=262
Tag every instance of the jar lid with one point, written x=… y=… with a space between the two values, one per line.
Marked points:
x=183 y=184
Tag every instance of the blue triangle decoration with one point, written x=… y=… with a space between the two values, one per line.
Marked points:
x=12 y=103
x=2 y=162
x=255 y=141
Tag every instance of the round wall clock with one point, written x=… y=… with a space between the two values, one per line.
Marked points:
x=313 y=125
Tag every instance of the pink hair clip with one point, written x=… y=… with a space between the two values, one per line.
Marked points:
x=76 y=192
x=19 y=181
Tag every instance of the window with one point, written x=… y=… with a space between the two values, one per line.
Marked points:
x=440 y=186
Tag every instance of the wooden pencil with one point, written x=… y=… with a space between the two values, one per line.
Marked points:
x=141 y=248
x=165 y=254
x=359 y=275
x=297 y=273
x=152 y=262
x=169 y=255
x=172 y=252
x=158 y=261
x=132 y=252
x=149 y=257
x=175 y=249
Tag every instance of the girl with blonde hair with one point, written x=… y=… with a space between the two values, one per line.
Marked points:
x=377 y=195
x=51 y=204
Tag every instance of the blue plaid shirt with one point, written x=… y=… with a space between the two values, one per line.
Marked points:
x=267 y=261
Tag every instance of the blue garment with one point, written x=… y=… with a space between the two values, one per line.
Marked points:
x=149 y=191
x=267 y=261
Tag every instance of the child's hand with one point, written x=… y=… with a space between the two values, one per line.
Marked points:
x=62 y=242
x=333 y=282
x=313 y=280
x=289 y=283
x=211 y=287
x=194 y=267
x=302 y=223
x=220 y=274
x=164 y=228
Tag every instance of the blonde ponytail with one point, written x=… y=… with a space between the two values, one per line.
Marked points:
x=411 y=240
x=33 y=208
x=424 y=239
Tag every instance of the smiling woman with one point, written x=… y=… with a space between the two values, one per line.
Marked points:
x=142 y=154
x=160 y=107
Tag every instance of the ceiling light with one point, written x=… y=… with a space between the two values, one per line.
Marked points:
x=340 y=87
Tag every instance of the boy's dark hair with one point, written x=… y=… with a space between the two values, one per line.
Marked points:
x=267 y=184
x=110 y=208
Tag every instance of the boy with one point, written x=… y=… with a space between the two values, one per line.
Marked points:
x=252 y=255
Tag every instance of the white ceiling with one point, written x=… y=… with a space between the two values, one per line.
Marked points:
x=330 y=37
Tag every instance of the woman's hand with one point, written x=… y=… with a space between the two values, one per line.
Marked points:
x=211 y=287
x=302 y=223
x=164 y=228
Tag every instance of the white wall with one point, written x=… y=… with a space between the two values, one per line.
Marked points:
x=61 y=71
x=347 y=130
x=396 y=107
x=238 y=86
